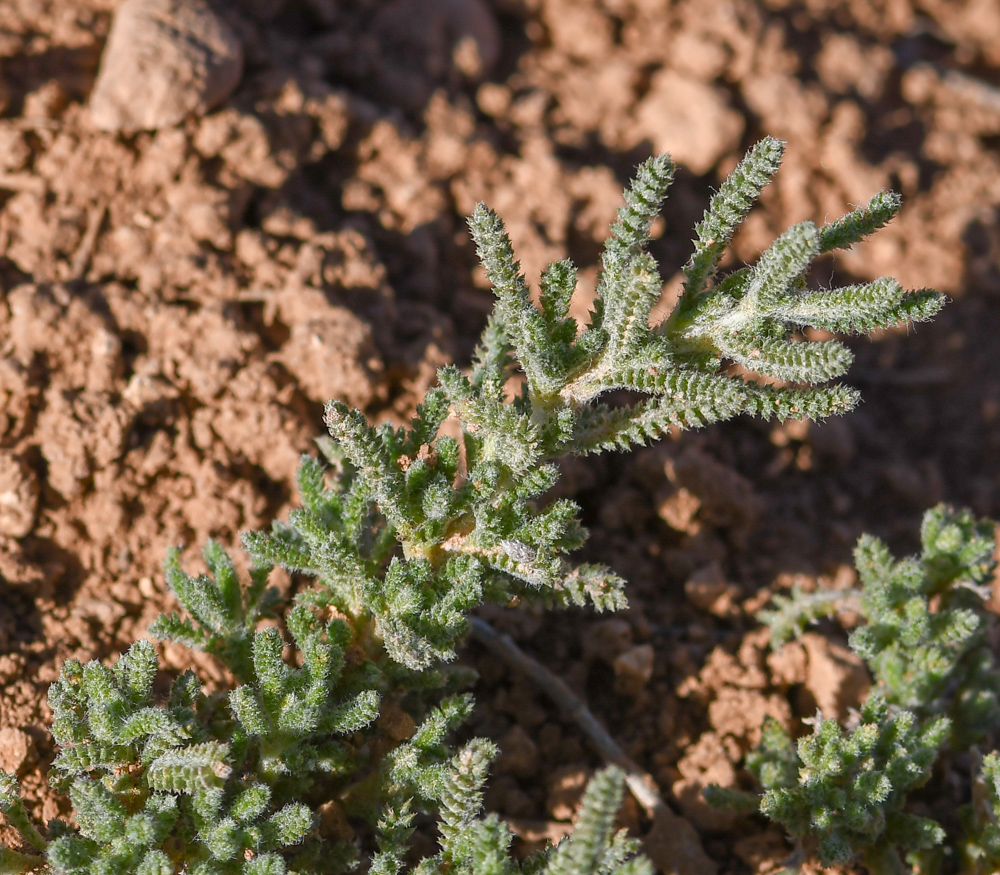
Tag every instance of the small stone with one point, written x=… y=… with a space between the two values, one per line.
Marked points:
x=708 y=589
x=607 y=639
x=330 y=351
x=11 y=667
x=698 y=55
x=634 y=668
x=741 y=713
x=164 y=60
x=679 y=510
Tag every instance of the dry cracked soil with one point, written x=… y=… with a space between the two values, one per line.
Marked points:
x=191 y=265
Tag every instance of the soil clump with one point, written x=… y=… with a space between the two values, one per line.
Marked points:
x=186 y=281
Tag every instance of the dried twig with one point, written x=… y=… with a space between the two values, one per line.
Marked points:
x=641 y=783
x=672 y=843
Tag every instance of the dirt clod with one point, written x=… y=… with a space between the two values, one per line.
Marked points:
x=634 y=668
x=17 y=750
x=565 y=789
x=674 y=847
x=18 y=496
x=518 y=753
x=193 y=260
x=706 y=762
x=835 y=676
x=690 y=120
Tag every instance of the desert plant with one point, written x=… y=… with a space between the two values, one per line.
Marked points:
x=335 y=734
x=981 y=820
x=924 y=637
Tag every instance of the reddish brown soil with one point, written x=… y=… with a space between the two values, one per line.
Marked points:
x=178 y=305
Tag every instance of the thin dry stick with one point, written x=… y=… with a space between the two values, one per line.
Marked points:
x=81 y=259
x=641 y=783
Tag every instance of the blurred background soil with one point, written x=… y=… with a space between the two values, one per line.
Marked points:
x=178 y=303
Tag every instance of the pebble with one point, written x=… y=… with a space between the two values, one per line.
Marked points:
x=164 y=60
x=706 y=586
x=634 y=668
x=607 y=639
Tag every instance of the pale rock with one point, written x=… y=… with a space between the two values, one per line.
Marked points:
x=698 y=55
x=164 y=60
x=241 y=140
x=330 y=351
x=678 y=508
x=741 y=713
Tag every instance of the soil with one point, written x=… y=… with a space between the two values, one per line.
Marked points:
x=179 y=303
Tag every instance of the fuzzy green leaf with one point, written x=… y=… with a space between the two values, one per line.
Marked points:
x=856 y=225
x=188 y=770
x=727 y=209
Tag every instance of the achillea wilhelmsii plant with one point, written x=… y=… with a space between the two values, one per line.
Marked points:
x=924 y=636
x=336 y=733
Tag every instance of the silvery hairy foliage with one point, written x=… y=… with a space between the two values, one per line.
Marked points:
x=334 y=733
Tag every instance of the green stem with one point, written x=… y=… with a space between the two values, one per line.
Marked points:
x=14 y=862
x=18 y=817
